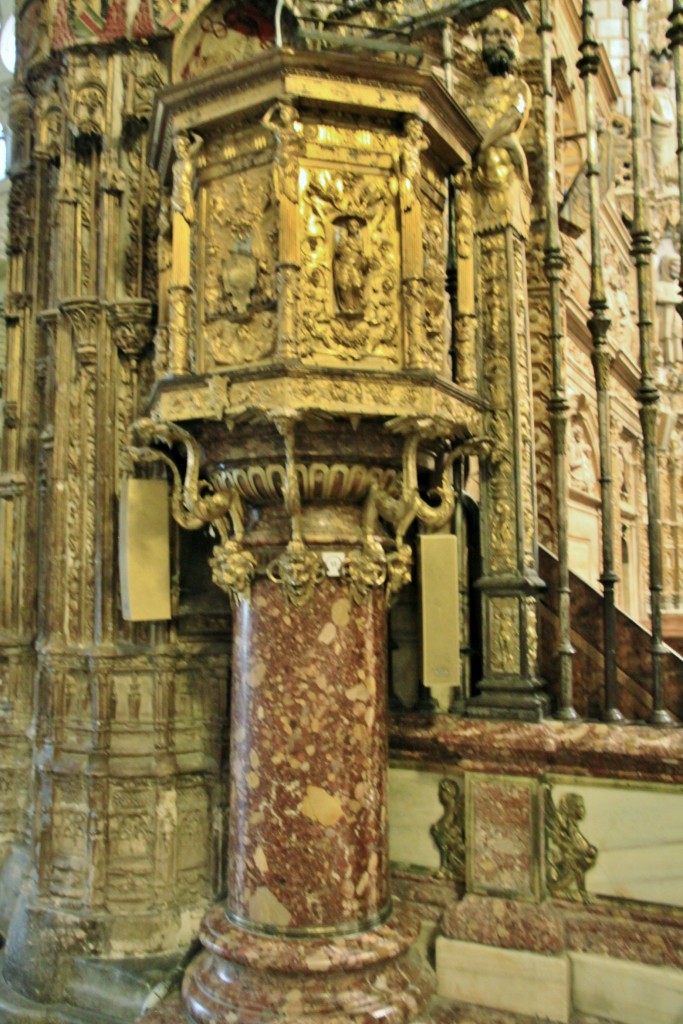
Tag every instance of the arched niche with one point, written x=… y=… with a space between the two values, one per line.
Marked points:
x=221 y=33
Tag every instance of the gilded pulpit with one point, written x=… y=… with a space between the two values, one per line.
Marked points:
x=309 y=417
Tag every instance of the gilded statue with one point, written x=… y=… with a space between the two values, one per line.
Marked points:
x=502 y=108
x=182 y=198
x=449 y=832
x=410 y=162
x=283 y=121
x=569 y=854
x=350 y=266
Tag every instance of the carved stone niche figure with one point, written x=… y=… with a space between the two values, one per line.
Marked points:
x=669 y=327
x=663 y=118
x=350 y=266
x=581 y=469
x=502 y=108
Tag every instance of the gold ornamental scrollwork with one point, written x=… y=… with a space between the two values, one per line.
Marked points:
x=194 y=503
x=402 y=504
x=569 y=855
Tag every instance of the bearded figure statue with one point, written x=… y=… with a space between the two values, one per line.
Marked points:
x=502 y=109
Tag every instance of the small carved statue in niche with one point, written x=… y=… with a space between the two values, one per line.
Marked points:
x=663 y=118
x=449 y=832
x=182 y=198
x=581 y=469
x=502 y=109
x=669 y=328
x=282 y=120
x=350 y=266
x=569 y=854
x=134 y=700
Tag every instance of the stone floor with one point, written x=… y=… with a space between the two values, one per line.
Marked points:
x=15 y=1010
x=441 y=1012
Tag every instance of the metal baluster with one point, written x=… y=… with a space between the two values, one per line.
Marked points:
x=452 y=256
x=558 y=405
x=599 y=325
x=648 y=393
x=675 y=35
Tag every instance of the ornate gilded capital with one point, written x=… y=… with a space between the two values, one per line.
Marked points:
x=130 y=321
x=87 y=97
x=365 y=570
x=83 y=316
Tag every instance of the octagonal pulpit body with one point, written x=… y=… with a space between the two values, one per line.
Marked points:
x=309 y=238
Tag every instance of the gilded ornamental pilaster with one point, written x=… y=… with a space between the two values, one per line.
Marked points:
x=510 y=582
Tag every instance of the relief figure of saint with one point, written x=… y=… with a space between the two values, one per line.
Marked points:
x=350 y=267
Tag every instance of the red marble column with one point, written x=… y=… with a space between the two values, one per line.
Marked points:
x=308 y=927
x=308 y=849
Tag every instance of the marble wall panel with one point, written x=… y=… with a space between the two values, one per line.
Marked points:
x=503 y=836
x=638 y=832
x=413 y=808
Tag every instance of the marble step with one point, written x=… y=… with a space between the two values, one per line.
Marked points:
x=122 y=986
x=15 y=1009
x=444 y=1011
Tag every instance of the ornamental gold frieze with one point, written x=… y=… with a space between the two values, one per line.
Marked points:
x=347 y=395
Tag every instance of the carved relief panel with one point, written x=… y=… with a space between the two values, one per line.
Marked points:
x=238 y=247
x=315 y=243
x=350 y=268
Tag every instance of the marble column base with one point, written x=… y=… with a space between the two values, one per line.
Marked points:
x=254 y=979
